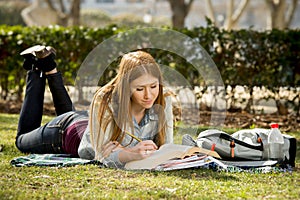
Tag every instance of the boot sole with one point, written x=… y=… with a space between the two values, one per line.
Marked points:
x=39 y=51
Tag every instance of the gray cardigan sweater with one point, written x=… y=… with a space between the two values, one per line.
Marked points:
x=146 y=130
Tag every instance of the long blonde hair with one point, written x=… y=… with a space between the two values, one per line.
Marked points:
x=117 y=94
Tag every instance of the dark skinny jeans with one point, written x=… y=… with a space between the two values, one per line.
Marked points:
x=31 y=136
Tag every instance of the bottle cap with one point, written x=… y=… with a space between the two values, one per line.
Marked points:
x=274 y=125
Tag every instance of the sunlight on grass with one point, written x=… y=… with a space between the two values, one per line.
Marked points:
x=93 y=182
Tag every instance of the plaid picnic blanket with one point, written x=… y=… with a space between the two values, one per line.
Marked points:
x=50 y=160
x=65 y=160
x=221 y=166
x=255 y=170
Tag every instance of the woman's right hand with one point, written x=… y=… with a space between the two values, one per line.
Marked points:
x=142 y=150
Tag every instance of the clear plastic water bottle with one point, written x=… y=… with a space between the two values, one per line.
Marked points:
x=275 y=141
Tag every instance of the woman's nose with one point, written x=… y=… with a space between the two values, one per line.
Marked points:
x=147 y=93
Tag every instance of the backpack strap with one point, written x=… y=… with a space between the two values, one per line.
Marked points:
x=236 y=141
x=211 y=138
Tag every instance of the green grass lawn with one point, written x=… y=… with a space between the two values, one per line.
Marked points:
x=93 y=182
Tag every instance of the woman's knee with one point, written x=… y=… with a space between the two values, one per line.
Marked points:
x=19 y=145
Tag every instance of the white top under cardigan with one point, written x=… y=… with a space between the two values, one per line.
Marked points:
x=146 y=130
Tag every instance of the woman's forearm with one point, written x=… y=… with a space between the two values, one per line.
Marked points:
x=127 y=156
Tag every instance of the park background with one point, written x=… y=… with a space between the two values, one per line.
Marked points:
x=255 y=45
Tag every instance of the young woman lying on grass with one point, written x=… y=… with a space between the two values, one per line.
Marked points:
x=129 y=117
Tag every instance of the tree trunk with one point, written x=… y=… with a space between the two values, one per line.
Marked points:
x=276 y=17
x=235 y=14
x=73 y=18
x=290 y=13
x=229 y=13
x=4 y=86
x=211 y=12
x=232 y=14
x=75 y=13
x=62 y=18
x=281 y=13
x=180 y=10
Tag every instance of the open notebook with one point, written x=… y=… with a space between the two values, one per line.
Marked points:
x=168 y=152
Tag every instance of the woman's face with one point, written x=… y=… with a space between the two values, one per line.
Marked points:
x=144 y=91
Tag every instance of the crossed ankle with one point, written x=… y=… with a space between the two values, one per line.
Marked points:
x=46 y=64
x=53 y=71
x=39 y=58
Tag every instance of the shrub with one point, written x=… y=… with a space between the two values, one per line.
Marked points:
x=243 y=57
